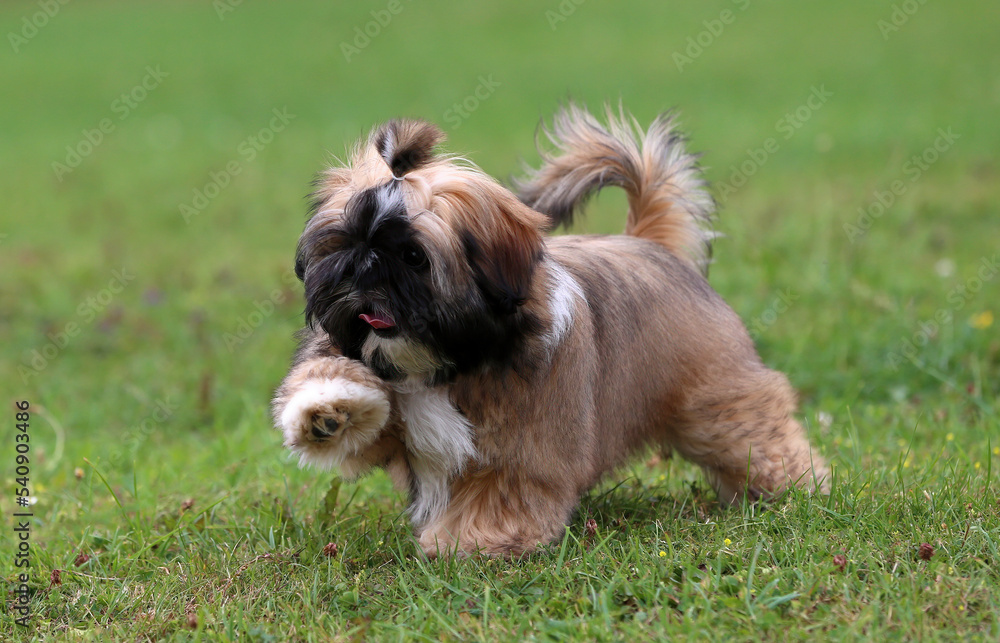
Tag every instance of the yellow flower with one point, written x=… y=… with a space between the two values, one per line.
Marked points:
x=996 y=450
x=977 y=465
x=663 y=554
x=982 y=321
x=950 y=437
x=728 y=542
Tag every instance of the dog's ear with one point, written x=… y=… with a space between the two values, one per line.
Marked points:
x=503 y=257
x=406 y=145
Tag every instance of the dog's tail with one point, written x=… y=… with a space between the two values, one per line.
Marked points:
x=667 y=196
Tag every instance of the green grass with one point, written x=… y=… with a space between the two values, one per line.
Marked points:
x=195 y=510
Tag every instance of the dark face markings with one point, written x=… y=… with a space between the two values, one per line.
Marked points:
x=373 y=262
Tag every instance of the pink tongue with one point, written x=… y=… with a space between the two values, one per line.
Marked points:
x=378 y=321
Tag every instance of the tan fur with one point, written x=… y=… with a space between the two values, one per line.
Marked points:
x=634 y=347
x=369 y=424
x=668 y=202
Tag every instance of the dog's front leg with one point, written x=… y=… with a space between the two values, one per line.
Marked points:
x=333 y=411
x=499 y=513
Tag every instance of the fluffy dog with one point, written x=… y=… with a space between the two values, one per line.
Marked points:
x=497 y=373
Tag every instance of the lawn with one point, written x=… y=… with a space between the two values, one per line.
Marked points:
x=155 y=162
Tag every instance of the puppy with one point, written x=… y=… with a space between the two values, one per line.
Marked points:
x=497 y=373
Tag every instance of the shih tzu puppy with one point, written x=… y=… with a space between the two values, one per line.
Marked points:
x=497 y=373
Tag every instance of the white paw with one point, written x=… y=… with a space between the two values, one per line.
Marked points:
x=327 y=421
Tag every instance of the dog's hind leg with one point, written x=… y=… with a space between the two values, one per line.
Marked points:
x=744 y=436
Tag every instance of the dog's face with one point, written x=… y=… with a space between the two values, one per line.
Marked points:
x=416 y=264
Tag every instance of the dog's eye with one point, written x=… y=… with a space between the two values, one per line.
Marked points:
x=414 y=257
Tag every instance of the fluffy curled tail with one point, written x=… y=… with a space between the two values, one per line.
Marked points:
x=667 y=196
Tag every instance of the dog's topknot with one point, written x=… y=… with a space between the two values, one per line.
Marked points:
x=406 y=144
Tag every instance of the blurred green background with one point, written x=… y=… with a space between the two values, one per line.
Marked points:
x=206 y=317
x=156 y=158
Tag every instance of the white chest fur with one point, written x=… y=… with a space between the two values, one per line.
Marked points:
x=564 y=292
x=439 y=441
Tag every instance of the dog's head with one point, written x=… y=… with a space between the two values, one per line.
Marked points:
x=416 y=263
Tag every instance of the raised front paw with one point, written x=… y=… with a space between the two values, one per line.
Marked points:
x=325 y=427
x=328 y=422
